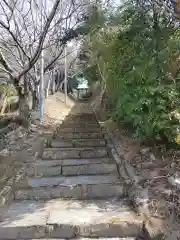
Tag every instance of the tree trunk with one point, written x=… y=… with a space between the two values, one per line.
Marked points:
x=35 y=101
x=23 y=104
x=5 y=101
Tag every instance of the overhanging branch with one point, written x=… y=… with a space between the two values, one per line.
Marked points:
x=3 y=62
x=41 y=40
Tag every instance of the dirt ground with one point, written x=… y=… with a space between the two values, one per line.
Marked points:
x=21 y=145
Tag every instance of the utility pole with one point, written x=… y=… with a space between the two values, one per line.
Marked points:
x=42 y=87
x=65 y=74
x=42 y=74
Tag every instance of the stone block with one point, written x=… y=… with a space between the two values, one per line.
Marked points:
x=66 y=192
x=62 y=143
x=80 y=130
x=89 y=143
x=104 y=191
x=89 y=169
x=93 y=153
x=46 y=171
x=60 y=231
x=61 y=153
x=79 y=136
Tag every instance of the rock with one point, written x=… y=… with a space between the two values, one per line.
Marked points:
x=144 y=151
x=152 y=157
x=173 y=165
x=174 y=181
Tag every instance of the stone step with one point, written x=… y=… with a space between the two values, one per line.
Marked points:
x=86 y=238
x=81 y=130
x=109 y=238
x=87 y=116
x=80 y=125
x=80 y=119
x=79 y=122
x=80 y=135
x=65 y=153
x=72 y=162
x=77 y=143
x=65 y=219
x=44 y=170
x=80 y=187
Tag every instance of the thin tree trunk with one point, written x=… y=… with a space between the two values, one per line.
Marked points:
x=23 y=104
x=35 y=101
x=5 y=101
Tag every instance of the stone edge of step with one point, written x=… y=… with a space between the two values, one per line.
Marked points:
x=72 y=170
x=78 y=162
x=48 y=227
x=136 y=193
x=66 y=181
x=86 y=238
x=54 y=231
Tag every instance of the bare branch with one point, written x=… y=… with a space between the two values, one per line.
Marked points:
x=12 y=35
x=5 y=65
x=41 y=41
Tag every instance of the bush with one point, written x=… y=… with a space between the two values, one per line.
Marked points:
x=143 y=91
x=138 y=53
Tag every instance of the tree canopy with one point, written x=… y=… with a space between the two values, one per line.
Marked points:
x=135 y=54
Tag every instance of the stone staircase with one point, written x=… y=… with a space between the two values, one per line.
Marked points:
x=73 y=191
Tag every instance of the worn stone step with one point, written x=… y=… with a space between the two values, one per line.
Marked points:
x=79 y=130
x=82 y=169
x=80 y=120
x=79 y=135
x=92 y=238
x=89 y=116
x=77 y=143
x=72 y=162
x=65 y=153
x=80 y=125
x=69 y=181
x=65 y=219
x=80 y=187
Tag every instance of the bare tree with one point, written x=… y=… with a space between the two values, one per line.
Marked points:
x=29 y=26
x=23 y=38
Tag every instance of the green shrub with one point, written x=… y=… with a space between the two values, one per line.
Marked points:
x=138 y=52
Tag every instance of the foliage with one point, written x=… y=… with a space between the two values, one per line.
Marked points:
x=7 y=90
x=137 y=55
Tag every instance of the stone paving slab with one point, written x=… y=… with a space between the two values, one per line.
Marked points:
x=86 y=169
x=72 y=162
x=80 y=129
x=91 y=169
x=78 y=143
x=69 y=219
x=110 y=238
x=99 y=191
x=85 y=117
x=79 y=136
x=24 y=219
x=80 y=124
x=45 y=171
x=72 y=181
x=65 y=153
